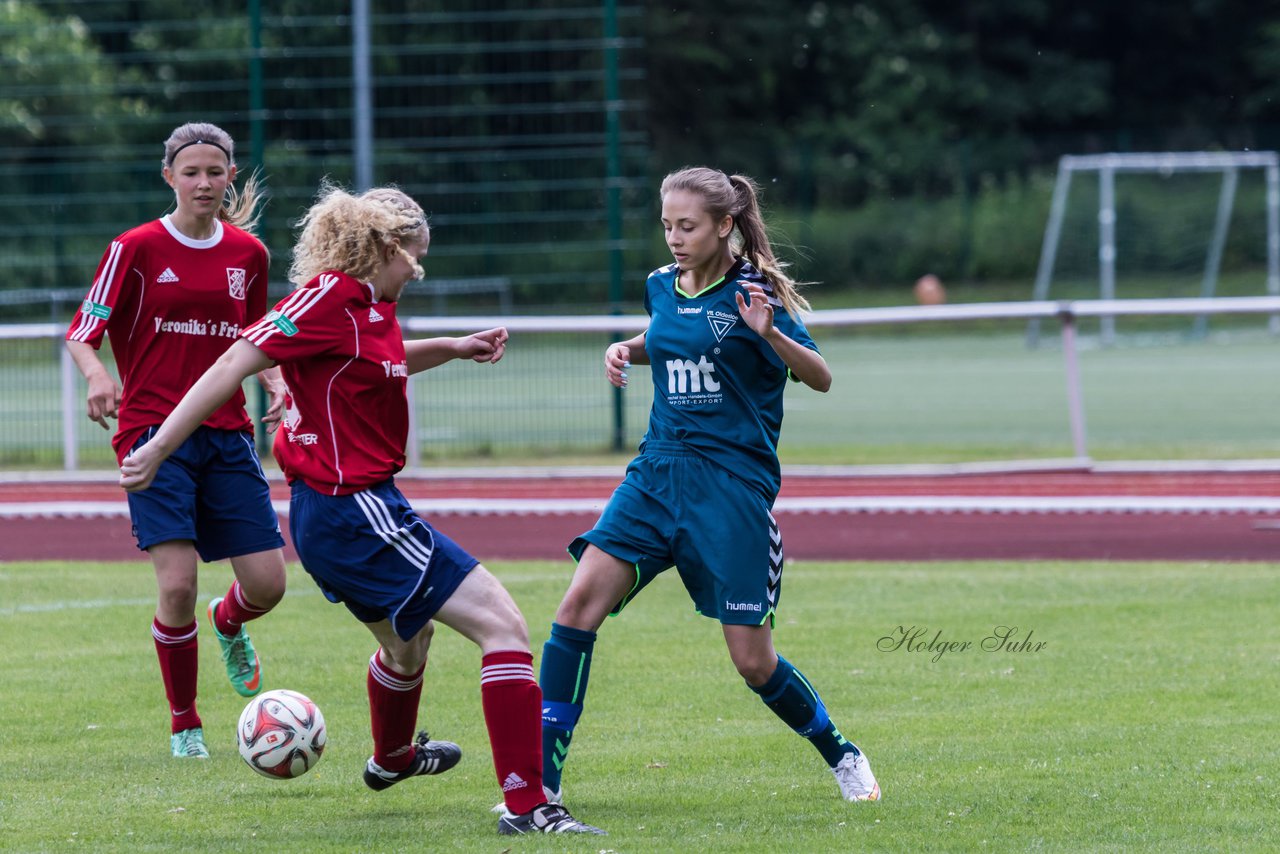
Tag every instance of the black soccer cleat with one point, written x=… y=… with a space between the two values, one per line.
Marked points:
x=429 y=757
x=548 y=818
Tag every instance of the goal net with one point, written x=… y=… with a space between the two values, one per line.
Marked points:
x=1184 y=224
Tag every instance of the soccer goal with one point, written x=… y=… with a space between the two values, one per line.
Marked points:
x=1161 y=224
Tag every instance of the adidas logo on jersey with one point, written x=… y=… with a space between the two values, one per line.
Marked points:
x=513 y=781
x=167 y=277
x=374 y=317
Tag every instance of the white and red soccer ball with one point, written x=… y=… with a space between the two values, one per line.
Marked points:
x=281 y=734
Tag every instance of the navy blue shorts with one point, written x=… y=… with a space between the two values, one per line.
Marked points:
x=676 y=508
x=212 y=491
x=372 y=553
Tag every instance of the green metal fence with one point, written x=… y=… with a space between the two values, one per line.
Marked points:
x=517 y=125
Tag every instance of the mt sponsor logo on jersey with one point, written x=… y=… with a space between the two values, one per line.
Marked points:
x=168 y=277
x=721 y=322
x=235 y=282
x=691 y=383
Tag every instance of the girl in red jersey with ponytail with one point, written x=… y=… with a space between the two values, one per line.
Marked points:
x=172 y=295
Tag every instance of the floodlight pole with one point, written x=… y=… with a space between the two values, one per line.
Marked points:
x=613 y=193
x=257 y=156
x=362 y=97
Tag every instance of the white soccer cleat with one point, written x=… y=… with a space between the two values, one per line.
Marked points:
x=855 y=779
x=555 y=798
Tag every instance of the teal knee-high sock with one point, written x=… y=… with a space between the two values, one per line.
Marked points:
x=566 y=664
x=790 y=696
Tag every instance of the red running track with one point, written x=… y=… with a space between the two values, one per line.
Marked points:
x=1206 y=516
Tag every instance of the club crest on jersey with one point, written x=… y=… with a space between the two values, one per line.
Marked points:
x=721 y=323
x=235 y=282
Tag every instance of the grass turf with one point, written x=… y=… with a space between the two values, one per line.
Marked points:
x=1147 y=721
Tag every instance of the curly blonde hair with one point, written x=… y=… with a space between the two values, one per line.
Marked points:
x=240 y=207
x=737 y=196
x=347 y=233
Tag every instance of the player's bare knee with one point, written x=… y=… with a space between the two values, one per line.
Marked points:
x=409 y=657
x=511 y=630
x=579 y=609
x=265 y=592
x=755 y=668
x=178 y=596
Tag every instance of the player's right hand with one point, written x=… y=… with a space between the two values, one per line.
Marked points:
x=103 y=401
x=617 y=360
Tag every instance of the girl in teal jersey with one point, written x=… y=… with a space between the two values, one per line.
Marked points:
x=724 y=336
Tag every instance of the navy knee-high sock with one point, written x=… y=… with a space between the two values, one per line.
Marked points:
x=566 y=665
x=790 y=696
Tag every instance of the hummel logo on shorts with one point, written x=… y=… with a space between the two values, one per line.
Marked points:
x=166 y=277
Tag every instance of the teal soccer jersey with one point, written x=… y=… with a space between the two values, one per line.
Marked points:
x=717 y=385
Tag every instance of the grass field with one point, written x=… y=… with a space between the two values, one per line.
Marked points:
x=1147 y=721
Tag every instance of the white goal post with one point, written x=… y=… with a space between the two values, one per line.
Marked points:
x=1229 y=163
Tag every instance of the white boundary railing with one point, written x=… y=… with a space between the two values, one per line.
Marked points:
x=1067 y=313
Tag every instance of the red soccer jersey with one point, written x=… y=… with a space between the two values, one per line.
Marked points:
x=342 y=355
x=172 y=305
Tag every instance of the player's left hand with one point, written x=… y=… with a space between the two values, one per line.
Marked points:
x=488 y=346
x=276 y=395
x=139 y=469
x=757 y=313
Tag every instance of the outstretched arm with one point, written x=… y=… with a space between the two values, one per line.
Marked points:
x=426 y=353
x=808 y=365
x=213 y=389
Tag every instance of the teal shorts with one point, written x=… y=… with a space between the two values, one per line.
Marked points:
x=676 y=508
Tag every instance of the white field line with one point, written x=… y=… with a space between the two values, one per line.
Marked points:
x=825 y=504
x=88 y=604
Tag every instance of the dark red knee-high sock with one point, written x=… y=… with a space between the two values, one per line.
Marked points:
x=179 y=656
x=512 y=705
x=393 y=713
x=234 y=611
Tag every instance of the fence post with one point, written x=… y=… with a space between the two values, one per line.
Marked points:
x=1075 y=398
x=70 y=448
x=415 y=445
